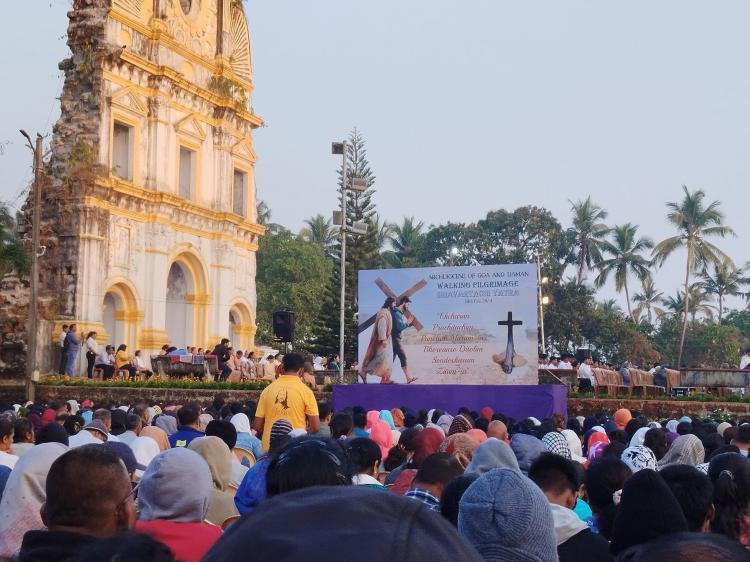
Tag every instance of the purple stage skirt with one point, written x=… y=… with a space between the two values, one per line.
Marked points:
x=518 y=401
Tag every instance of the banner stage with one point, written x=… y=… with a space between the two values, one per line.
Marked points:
x=517 y=401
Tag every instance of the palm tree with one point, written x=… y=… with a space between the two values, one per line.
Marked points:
x=406 y=242
x=698 y=302
x=648 y=300
x=263 y=212
x=625 y=249
x=588 y=232
x=609 y=306
x=695 y=222
x=320 y=231
x=727 y=280
x=383 y=230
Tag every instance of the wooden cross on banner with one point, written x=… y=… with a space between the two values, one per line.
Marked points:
x=419 y=285
x=510 y=349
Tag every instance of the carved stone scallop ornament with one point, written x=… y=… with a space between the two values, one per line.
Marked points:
x=239 y=43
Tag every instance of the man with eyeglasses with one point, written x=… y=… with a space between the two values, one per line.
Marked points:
x=79 y=511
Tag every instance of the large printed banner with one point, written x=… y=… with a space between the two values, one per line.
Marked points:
x=449 y=325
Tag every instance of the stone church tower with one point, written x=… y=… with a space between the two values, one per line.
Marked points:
x=149 y=218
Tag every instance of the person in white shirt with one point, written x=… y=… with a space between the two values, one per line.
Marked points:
x=554 y=363
x=586 y=380
x=140 y=364
x=92 y=352
x=251 y=369
x=106 y=362
x=61 y=341
x=93 y=433
x=564 y=363
x=6 y=440
x=745 y=361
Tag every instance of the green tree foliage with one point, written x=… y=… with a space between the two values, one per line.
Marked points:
x=706 y=343
x=13 y=256
x=589 y=233
x=725 y=280
x=292 y=274
x=407 y=244
x=517 y=236
x=649 y=300
x=695 y=222
x=626 y=258
x=320 y=231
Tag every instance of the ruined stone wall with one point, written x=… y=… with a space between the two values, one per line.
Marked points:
x=72 y=166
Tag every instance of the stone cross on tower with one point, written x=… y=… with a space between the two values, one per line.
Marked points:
x=510 y=351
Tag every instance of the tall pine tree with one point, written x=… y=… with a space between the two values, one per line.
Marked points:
x=362 y=252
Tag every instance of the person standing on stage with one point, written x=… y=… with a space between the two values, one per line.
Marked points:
x=400 y=323
x=378 y=357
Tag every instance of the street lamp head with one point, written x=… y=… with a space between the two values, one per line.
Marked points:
x=337 y=148
x=25 y=134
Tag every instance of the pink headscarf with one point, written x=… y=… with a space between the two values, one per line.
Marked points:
x=382 y=436
x=477 y=435
x=372 y=417
x=597 y=442
x=486 y=413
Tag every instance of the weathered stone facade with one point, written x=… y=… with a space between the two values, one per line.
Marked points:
x=148 y=216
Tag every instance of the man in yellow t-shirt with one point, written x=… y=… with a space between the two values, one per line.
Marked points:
x=289 y=398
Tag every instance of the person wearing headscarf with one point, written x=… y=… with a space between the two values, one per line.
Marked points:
x=204 y=420
x=219 y=459
x=597 y=442
x=444 y=422
x=622 y=417
x=527 y=449
x=638 y=457
x=639 y=436
x=381 y=434
x=460 y=424
x=167 y=423
x=24 y=495
x=173 y=500
x=461 y=446
x=372 y=416
x=425 y=443
x=398 y=417
x=556 y=444
x=145 y=448
x=686 y=449
x=672 y=426
x=245 y=438
x=436 y=427
x=574 y=445
x=387 y=417
x=647 y=510
x=491 y=454
x=157 y=434
x=73 y=406
x=486 y=413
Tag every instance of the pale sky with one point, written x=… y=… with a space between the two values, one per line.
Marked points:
x=467 y=106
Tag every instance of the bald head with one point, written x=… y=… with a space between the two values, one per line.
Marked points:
x=498 y=430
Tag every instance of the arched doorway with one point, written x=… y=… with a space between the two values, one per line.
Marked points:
x=120 y=315
x=187 y=300
x=179 y=312
x=240 y=326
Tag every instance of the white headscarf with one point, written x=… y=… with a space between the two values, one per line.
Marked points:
x=574 y=444
x=672 y=426
x=24 y=495
x=445 y=422
x=145 y=449
x=639 y=436
x=74 y=407
x=241 y=423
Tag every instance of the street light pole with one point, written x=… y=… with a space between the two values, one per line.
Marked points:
x=541 y=301
x=342 y=233
x=31 y=355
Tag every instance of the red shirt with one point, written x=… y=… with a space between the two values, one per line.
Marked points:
x=187 y=541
